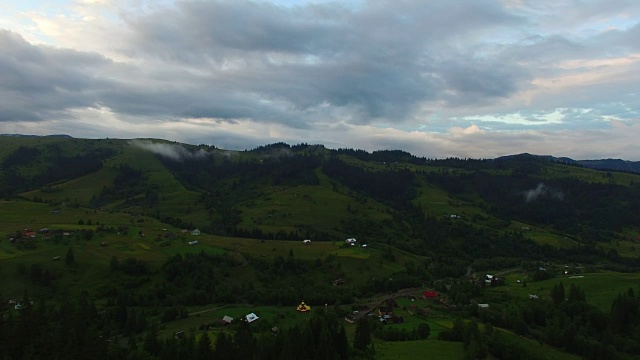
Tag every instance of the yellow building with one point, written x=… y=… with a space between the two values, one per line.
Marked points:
x=303 y=307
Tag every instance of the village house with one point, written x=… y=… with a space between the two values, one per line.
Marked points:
x=226 y=320
x=29 y=234
x=350 y=319
x=430 y=295
x=385 y=310
x=303 y=308
x=251 y=317
x=392 y=303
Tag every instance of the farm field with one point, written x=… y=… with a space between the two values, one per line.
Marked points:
x=425 y=349
x=540 y=351
x=601 y=288
x=269 y=317
x=283 y=209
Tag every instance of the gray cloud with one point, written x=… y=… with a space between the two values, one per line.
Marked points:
x=372 y=61
x=308 y=71
x=38 y=82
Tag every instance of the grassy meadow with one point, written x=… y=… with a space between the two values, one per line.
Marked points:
x=601 y=288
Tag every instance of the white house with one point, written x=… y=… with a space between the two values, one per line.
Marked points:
x=195 y=232
x=306 y=241
x=251 y=317
x=350 y=241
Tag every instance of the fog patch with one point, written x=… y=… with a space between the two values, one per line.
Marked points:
x=542 y=190
x=170 y=151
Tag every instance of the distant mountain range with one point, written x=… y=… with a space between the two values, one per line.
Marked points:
x=602 y=164
x=612 y=164
x=35 y=136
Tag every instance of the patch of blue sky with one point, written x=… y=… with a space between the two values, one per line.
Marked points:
x=291 y=3
x=48 y=6
x=519 y=118
x=591 y=29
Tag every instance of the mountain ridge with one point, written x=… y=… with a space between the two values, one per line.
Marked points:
x=615 y=164
x=598 y=164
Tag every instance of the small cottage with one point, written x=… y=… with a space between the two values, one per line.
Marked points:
x=303 y=308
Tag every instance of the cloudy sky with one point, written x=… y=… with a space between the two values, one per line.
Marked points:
x=437 y=78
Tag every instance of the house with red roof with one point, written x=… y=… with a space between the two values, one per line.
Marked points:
x=429 y=294
x=29 y=234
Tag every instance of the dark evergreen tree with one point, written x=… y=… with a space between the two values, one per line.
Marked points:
x=625 y=313
x=576 y=294
x=69 y=258
x=224 y=347
x=340 y=343
x=557 y=293
x=204 y=351
x=362 y=337
x=151 y=343
x=423 y=330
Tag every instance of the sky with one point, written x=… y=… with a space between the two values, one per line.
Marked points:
x=437 y=78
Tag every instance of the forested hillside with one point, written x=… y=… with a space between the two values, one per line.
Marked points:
x=137 y=249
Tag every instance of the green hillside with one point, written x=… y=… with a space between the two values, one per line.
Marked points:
x=156 y=237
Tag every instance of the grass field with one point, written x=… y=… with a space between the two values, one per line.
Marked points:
x=290 y=208
x=437 y=349
x=539 y=350
x=625 y=248
x=420 y=349
x=436 y=200
x=589 y=175
x=270 y=316
x=601 y=288
x=548 y=238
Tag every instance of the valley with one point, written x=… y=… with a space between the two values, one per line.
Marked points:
x=148 y=244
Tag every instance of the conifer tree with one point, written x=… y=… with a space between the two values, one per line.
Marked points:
x=576 y=294
x=341 y=344
x=151 y=342
x=204 y=351
x=557 y=293
x=70 y=259
x=244 y=343
x=224 y=347
x=362 y=338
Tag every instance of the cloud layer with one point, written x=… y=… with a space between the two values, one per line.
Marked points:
x=468 y=79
